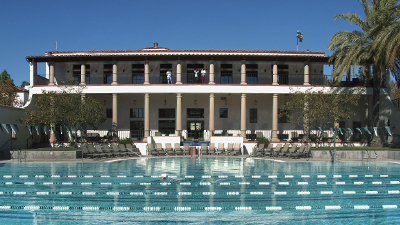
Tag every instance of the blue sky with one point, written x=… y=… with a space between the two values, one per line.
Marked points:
x=33 y=27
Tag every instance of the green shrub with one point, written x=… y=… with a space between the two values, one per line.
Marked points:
x=125 y=141
x=262 y=140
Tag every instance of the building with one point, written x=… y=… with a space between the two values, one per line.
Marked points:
x=240 y=94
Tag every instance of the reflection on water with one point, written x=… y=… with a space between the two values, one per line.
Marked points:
x=199 y=190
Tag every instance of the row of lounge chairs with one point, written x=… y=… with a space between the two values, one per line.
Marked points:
x=105 y=151
x=231 y=149
x=282 y=151
x=158 y=150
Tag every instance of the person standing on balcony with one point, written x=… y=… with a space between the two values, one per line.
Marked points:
x=203 y=75
x=169 y=75
x=196 y=76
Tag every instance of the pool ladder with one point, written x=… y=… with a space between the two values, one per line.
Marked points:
x=19 y=155
x=369 y=157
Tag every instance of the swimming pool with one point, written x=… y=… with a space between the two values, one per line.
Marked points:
x=199 y=190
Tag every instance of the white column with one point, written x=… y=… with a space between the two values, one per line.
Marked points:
x=83 y=74
x=115 y=114
x=275 y=74
x=32 y=72
x=274 y=136
x=146 y=116
x=243 y=73
x=146 y=72
x=211 y=115
x=306 y=74
x=178 y=114
x=178 y=72
x=243 y=116
x=51 y=73
x=211 y=81
x=115 y=74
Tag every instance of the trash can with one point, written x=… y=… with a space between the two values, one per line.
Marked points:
x=192 y=150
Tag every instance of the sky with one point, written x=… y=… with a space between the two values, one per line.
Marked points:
x=33 y=27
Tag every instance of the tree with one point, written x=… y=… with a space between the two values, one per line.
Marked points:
x=358 y=48
x=67 y=108
x=319 y=109
x=24 y=83
x=4 y=77
x=395 y=93
x=8 y=93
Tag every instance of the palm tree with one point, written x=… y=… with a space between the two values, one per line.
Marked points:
x=360 y=47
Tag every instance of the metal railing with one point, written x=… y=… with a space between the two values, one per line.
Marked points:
x=219 y=78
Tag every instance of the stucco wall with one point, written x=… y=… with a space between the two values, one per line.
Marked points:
x=10 y=115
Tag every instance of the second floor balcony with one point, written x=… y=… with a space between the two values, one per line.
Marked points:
x=191 y=79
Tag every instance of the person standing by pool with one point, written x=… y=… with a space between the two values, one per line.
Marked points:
x=203 y=75
x=169 y=75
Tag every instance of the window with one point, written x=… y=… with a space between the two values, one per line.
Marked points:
x=163 y=72
x=109 y=113
x=137 y=113
x=195 y=113
x=108 y=73
x=226 y=74
x=223 y=113
x=166 y=113
x=137 y=73
x=76 y=73
x=283 y=118
x=252 y=73
x=253 y=115
x=166 y=126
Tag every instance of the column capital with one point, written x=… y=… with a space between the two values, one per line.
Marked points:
x=211 y=61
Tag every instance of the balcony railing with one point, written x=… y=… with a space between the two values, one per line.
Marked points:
x=189 y=78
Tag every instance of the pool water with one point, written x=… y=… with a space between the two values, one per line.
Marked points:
x=204 y=190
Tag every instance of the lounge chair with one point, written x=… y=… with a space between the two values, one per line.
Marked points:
x=151 y=149
x=117 y=150
x=107 y=150
x=100 y=150
x=220 y=149
x=284 y=151
x=211 y=149
x=258 y=150
x=306 y=152
x=229 y=149
x=277 y=149
x=168 y=149
x=177 y=148
x=203 y=149
x=126 y=151
x=236 y=149
x=186 y=148
x=86 y=153
x=268 y=151
x=159 y=149
x=298 y=153
x=132 y=148
x=94 y=152
x=292 y=150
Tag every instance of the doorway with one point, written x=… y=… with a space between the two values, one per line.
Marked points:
x=195 y=130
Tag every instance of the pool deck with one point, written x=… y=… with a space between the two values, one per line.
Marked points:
x=115 y=159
